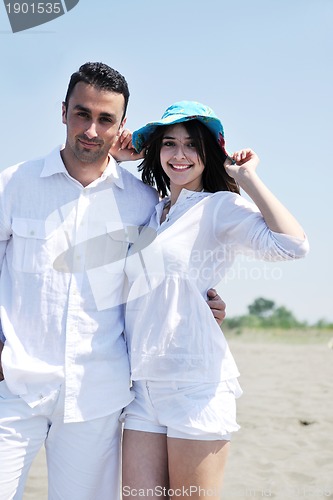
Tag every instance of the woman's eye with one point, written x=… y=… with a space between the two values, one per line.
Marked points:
x=168 y=143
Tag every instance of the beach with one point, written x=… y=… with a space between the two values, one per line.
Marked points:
x=284 y=449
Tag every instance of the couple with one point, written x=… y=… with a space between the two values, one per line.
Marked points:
x=66 y=223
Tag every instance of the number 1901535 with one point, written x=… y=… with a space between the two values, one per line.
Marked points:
x=34 y=8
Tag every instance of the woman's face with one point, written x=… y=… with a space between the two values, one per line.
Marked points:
x=180 y=160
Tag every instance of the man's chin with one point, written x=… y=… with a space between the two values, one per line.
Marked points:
x=89 y=156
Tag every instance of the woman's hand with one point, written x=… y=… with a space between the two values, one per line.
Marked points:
x=123 y=150
x=242 y=162
x=242 y=167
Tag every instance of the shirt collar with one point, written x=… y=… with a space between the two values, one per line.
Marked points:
x=53 y=164
x=113 y=173
x=185 y=195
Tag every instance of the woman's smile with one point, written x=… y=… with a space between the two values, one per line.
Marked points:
x=179 y=167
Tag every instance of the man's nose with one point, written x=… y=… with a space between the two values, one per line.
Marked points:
x=91 y=131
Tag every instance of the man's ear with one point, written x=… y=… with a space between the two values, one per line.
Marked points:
x=64 y=113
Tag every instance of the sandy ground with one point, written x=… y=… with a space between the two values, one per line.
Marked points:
x=284 y=449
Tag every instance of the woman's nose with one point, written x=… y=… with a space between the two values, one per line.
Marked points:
x=179 y=152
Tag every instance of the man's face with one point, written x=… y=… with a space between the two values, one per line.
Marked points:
x=93 y=119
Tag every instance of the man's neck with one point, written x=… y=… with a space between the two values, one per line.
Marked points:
x=84 y=173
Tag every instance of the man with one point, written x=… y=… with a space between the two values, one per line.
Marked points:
x=66 y=221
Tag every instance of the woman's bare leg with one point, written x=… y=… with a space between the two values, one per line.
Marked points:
x=196 y=468
x=144 y=465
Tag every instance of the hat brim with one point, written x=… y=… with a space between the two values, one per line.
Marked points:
x=141 y=136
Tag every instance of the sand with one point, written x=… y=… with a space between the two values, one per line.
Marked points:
x=284 y=449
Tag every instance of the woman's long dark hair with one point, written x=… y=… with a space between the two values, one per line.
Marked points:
x=214 y=177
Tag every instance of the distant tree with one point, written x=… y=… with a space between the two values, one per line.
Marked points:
x=247 y=321
x=283 y=318
x=323 y=324
x=263 y=313
x=261 y=307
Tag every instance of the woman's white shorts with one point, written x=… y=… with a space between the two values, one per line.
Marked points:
x=204 y=412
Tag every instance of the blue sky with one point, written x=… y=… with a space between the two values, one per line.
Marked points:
x=265 y=68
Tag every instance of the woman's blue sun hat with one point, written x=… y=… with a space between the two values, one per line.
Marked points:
x=182 y=111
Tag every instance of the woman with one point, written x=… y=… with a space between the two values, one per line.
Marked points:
x=178 y=428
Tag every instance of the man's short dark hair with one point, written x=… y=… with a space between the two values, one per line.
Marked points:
x=102 y=77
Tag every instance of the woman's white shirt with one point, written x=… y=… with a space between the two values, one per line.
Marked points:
x=170 y=330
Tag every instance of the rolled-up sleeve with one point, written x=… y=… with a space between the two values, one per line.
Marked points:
x=295 y=248
x=240 y=224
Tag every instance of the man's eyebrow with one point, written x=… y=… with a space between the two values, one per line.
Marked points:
x=79 y=107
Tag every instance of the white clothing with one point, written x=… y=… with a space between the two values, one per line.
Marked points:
x=83 y=458
x=62 y=249
x=205 y=412
x=171 y=332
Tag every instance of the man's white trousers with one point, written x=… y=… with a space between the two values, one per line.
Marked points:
x=83 y=459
